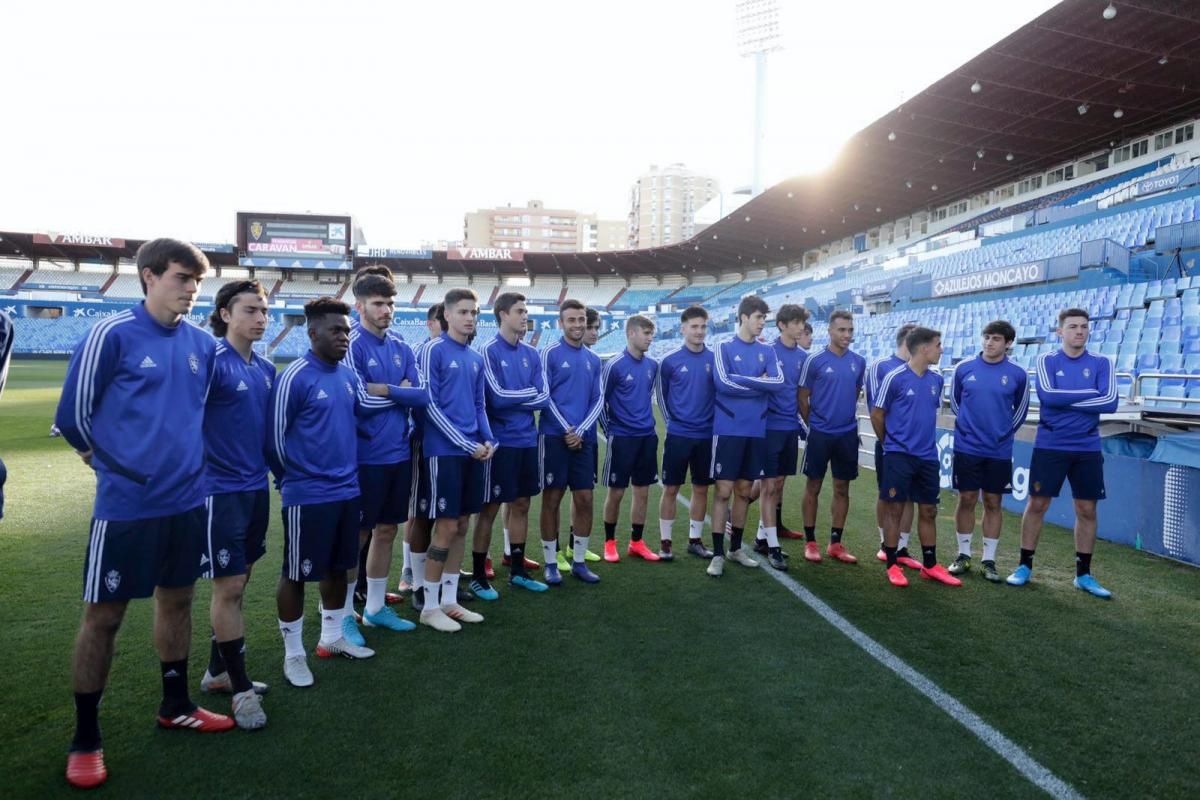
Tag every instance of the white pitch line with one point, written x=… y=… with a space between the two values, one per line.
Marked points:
x=1000 y=744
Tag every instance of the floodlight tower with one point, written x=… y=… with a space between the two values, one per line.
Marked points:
x=758 y=36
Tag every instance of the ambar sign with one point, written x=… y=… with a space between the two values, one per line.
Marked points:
x=484 y=254
x=999 y=278
x=78 y=239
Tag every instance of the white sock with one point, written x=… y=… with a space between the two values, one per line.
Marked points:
x=349 y=607
x=881 y=537
x=376 y=592
x=418 y=568
x=331 y=625
x=903 y=543
x=432 y=592
x=507 y=544
x=989 y=549
x=664 y=529
x=964 y=543
x=407 y=556
x=449 y=589
x=772 y=534
x=550 y=551
x=581 y=543
x=695 y=529
x=293 y=637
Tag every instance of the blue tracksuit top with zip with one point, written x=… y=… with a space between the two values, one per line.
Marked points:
x=990 y=402
x=627 y=383
x=456 y=418
x=514 y=389
x=383 y=428
x=746 y=373
x=1074 y=392
x=685 y=392
x=878 y=370
x=783 y=412
x=311 y=442
x=572 y=376
x=134 y=395
x=834 y=382
x=235 y=422
x=912 y=403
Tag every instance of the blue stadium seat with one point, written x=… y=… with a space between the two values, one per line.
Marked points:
x=1147 y=362
x=1171 y=362
x=1172 y=392
x=1126 y=362
x=1149 y=387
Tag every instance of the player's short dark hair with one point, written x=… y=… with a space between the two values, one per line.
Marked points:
x=571 y=305
x=903 y=331
x=320 y=307
x=751 y=304
x=841 y=313
x=374 y=281
x=1001 y=327
x=505 y=302
x=808 y=327
x=789 y=312
x=434 y=312
x=593 y=317
x=226 y=297
x=157 y=255
x=1073 y=312
x=456 y=296
x=693 y=312
x=919 y=336
x=639 y=321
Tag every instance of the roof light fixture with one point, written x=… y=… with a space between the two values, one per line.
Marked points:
x=933 y=188
x=976 y=87
x=891 y=136
x=1163 y=61
x=1008 y=157
x=1082 y=109
x=1118 y=114
x=1109 y=12
x=979 y=152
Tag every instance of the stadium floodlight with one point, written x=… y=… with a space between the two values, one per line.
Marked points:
x=757 y=36
x=1082 y=109
x=1109 y=12
x=1163 y=61
x=979 y=152
x=976 y=87
x=891 y=136
x=1008 y=157
x=1118 y=114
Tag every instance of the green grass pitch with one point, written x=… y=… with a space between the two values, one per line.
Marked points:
x=660 y=682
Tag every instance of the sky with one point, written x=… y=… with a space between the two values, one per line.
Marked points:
x=143 y=119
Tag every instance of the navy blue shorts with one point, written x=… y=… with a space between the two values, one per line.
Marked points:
x=783 y=450
x=1049 y=468
x=837 y=452
x=973 y=473
x=683 y=453
x=564 y=468
x=385 y=491
x=879 y=463
x=127 y=559
x=451 y=487
x=512 y=473
x=631 y=459
x=738 y=458
x=908 y=478
x=236 y=532
x=320 y=539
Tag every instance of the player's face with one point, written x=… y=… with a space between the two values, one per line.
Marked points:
x=841 y=333
x=574 y=325
x=754 y=323
x=639 y=338
x=1074 y=332
x=246 y=316
x=592 y=334
x=935 y=350
x=695 y=330
x=515 y=321
x=174 y=290
x=793 y=330
x=461 y=317
x=994 y=346
x=377 y=312
x=805 y=338
x=330 y=337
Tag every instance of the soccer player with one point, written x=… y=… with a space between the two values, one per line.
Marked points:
x=590 y=337
x=685 y=396
x=238 y=502
x=746 y=372
x=458 y=443
x=990 y=397
x=385 y=469
x=514 y=389
x=875 y=375
x=784 y=426
x=627 y=384
x=828 y=398
x=132 y=406
x=1074 y=387
x=905 y=420
x=6 y=343
x=572 y=374
x=312 y=452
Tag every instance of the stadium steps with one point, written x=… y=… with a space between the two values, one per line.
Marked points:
x=111 y=280
x=675 y=292
x=342 y=290
x=275 y=289
x=492 y=298
x=283 y=334
x=561 y=295
x=417 y=297
x=613 y=302
x=24 y=277
x=537 y=336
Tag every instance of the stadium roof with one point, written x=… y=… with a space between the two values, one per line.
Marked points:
x=73 y=247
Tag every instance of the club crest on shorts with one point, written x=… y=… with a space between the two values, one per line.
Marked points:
x=424 y=504
x=112 y=580
x=496 y=490
x=891 y=492
x=1037 y=486
x=549 y=477
x=194 y=363
x=223 y=557
x=306 y=567
x=718 y=467
x=441 y=504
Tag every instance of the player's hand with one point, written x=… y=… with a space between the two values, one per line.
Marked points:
x=405 y=384
x=377 y=389
x=480 y=453
x=574 y=440
x=491 y=451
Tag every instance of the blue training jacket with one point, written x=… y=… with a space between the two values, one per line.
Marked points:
x=456 y=418
x=746 y=374
x=515 y=387
x=383 y=428
x=573 y=377
x=685 y=392
x=990 y=402
x=1073 y=392
x=235 y=422
x=627 y=385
